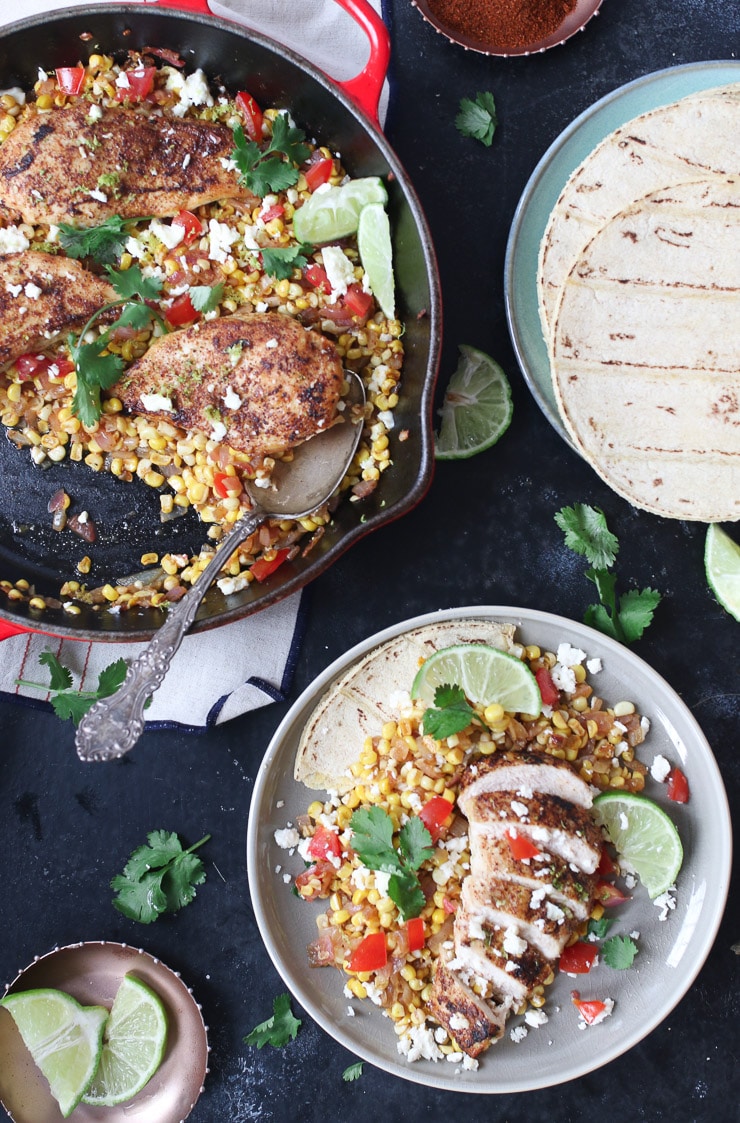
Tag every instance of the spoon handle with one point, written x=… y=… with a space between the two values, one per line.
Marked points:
x=113 y=725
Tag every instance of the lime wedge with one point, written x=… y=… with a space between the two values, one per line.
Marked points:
x=64 y=1038
x=135 y=1040
x=485 y=674
x=334 y=212
x=643 y=835
x=722 y=567
x=376 y=255
x=477 y=407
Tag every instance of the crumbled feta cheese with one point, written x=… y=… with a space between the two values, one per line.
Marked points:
x=135 y=247
x=170 y=236
x=218 y=432
x=459 y=1021
x=13 y=240
x=231 y=399
x=536 y=1018
x=537 y=897
x=122 y=81
x=94 y=113
x=271 y=344
x=569 y=656
x=14 y=290
x=660 y=768
x=518 y=1034
x=96 y=193
x=340 y=271
x=593 y=666
x=154 y=402
x=350 y=1012
x=418 y=1043
x=32 y=291
x=513 y=942
x=554 y=912
x=287 y=838
x=221 y=238
x=519 y=809
x=666 y=902
x=564 y=678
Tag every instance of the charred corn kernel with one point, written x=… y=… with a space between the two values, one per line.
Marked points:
x=44 y=101
x=56 y=454
x=112 y=405
x=13 y=392
x=357 y=988
x=315 y=809
x=343 y=816
x=37 y=602
x=94 y=461
x=580 y=672
x=84 y=565
x=408 y=972
x=154 y=479
x=532 y=651
x=149 y=559
x=14 y=594
x=7 y=125
x=624 y=709
x=592 y=728
x=560 y=719
x=72 y=609
x=493 y=713
x=580 y=703
x=340 y=917
x=169 y=565
x=109 y=592
x=166 y=503
x=438 y=916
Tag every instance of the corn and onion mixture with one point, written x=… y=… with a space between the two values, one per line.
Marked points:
x=401 y=770
x=192 y=469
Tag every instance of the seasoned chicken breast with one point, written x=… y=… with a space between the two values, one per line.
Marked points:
x=504 y=904
x=526 y=772
x=260 y=382
x=42 y=297
x=63 y=166
x=484 y=950
x=572 y=889
x=473 y=1022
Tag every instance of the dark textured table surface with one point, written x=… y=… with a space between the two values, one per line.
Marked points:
x=483 y=535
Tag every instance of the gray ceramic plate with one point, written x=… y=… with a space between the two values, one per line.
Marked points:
x=671 y=953
x=542 y=191
x=92 y=973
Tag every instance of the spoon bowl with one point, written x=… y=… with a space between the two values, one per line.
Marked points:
x=298 y=487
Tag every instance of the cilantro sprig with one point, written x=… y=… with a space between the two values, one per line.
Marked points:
x=352 y=1072
x=624 y=617
x=372 y=841
x=280 y=262
x=451 y=713
x=619 y=952
x=159 y=877
x=275 y=167
x=103 y=243
x=68 y=702
x=477 y=118
x=277 y=1030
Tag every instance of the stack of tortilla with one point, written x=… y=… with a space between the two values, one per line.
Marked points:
x=639 y=296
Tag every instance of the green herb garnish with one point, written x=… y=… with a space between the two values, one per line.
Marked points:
x=619 y=952
x=624 y=618
x=70 y=703
x=352 y=1072
x=158 y=878
x=450 y=714
x=274 y=168
x=206 y=298
x=477 y=118
x=372 y=841
x=280 y=263
x=278 y=1030
x=103 y=243
x=599 y=928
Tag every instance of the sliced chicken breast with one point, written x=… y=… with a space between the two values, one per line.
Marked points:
x=513 y=966
x=472 y=1022
x=571 y=889
x=260 y=382
x=550 y=823
x=42 y=297
x=64 y=166
x=525 y=772
x=535 y=917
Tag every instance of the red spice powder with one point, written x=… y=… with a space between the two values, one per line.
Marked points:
x=502 y=25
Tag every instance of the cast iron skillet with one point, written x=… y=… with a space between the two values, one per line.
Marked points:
x=127 y=515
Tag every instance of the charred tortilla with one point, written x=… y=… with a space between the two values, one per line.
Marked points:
x=361 y=701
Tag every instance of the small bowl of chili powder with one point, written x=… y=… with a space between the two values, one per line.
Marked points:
x=508 y=27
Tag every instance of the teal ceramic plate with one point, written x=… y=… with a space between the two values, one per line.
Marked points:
x=547 y=181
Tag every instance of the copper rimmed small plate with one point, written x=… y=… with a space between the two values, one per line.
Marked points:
x=574 y=21
x=92 y=973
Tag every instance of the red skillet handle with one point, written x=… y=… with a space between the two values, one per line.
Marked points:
x=7 y=630
x=366 y=87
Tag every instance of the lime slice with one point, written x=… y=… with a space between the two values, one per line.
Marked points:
x=64 y=1038
x=334 y=212
x=643 y=835
x=485 y=674
x=477 y=407
x=376 y=255
x=722 y=567
x=135 y=1040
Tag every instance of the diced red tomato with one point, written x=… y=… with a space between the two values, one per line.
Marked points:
x=324 y=842
x=316 y=276
x=273 y=212
x=521 y=848
x=415 y=933
x=370 y=954
x=139 y=83
x=548 y=690
x=70 y=79
x=191 y=224
x=262 y=568
x=31 y=365
x=316 y=881
x=181 y=311
x=435 y=814
x=608 y=894
x=358 y=301
x=578 y=959
x=252 y=115
x=318 y=171
x=678 y=786
x=607 y=866
x=589 y=1009
x=225 y=485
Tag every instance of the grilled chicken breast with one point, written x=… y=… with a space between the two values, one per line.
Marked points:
x=62 y=166
x=515 y=916
x=43 y=297
x=260 y=382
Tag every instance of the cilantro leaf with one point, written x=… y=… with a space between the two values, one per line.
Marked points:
x=599 y=928
x=372 y=839
x=415 y=843
x=288 y=139
x=278 y=1030
x=450 y=714
x=95 y=372
x=477 y=118
x=270 y=175
x=158 y=878
x=61 y=676
x=205 y=298
x=72 y=705
x=352 y=1072
x=104 y=243
x=406 y=893
x=131 y=282
x=586 y=533
x=135 y=315
x=279 y=263
x=636 y=611
x=273 y=168
x=619 y=952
